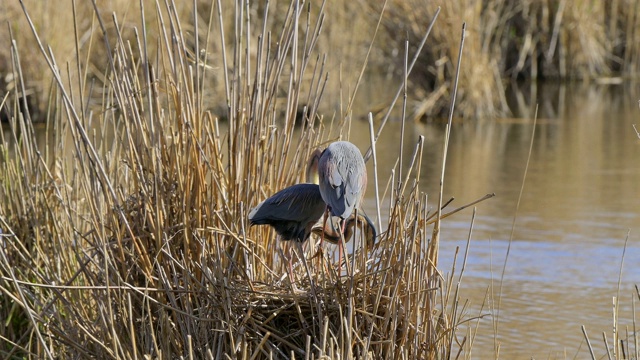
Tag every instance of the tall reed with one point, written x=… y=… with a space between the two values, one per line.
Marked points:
x=125 y=233
x=509 y=41
x=523 y=40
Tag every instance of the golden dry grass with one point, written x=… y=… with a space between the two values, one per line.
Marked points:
x=508 y=41
x=125 y=233
x=525 y=40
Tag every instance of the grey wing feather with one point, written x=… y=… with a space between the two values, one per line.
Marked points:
x=332 y=186
x=342 y=172
x=354 y=189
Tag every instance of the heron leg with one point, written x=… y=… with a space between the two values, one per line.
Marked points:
x=289 y=260
x=290 y=268
x=340 y=257
x=324 y=224
x=302 y=258
x=340 y=245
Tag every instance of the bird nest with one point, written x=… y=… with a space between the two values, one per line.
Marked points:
x=313 y=319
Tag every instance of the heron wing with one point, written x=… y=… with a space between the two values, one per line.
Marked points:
x=301 y=203
x=291 y=211
x=354 y=187
x=333 y=184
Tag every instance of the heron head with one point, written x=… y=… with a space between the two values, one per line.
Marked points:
x=332 y=234
x=366 y=227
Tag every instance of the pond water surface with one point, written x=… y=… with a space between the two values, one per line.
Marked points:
x=581 y=200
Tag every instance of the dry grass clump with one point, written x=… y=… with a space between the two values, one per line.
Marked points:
x=69 y=29
x=124 y=231
x=561 y=39
x=480 y=78
x=59 y=23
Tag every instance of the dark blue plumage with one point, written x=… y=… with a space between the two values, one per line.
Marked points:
x=292 y=212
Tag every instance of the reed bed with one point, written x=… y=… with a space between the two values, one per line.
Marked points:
x=510 y=41
x=524 y=40
x=124 y=231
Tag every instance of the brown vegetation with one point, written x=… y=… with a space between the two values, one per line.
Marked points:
x=511 y=40
x=523 y=40
x=124 y=231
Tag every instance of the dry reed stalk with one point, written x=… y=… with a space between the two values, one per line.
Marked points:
x=524 y=40
x=480 y=83
x=621 y=346
x=567 y=39
x=134 y=242
x=511 y=235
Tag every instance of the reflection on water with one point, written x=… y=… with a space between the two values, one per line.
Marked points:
x=581 y=198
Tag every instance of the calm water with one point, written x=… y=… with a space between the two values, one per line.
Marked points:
x=581 y=199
